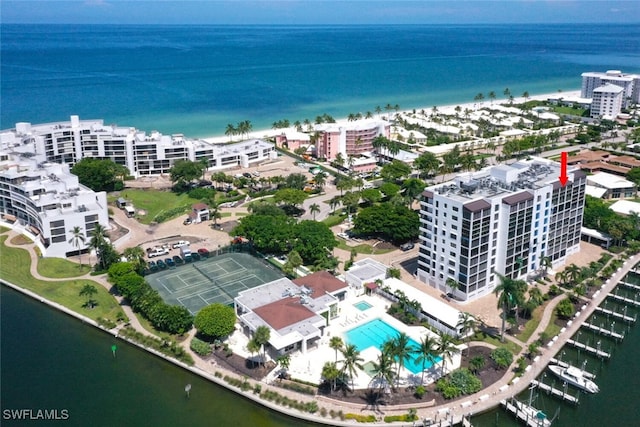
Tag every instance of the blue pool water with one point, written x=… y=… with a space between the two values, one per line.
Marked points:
x=375 y=334
x=362 y=305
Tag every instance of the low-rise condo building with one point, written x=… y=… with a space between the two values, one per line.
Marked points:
x=141 y=153
x=46 y=201
x=504 y=219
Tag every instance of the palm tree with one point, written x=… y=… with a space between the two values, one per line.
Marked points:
x=466 y=325
x=535 y=296
x=330 y=372
x=452 y=284
x=446 y=347
x=546 y=264
x=507 y=92
x=352 y=361
x=135 y=255
x=320 y=180
x=378 y=110
x=314 y=208
x=383 y=369
x=253 y=347
x=401 y=351
x=336 y=343
x=89 y=291
x=492 y=96
x=284 y=361
x=573 y=273
x=230 y=131
x=262 y=336
x=333 y=203
x=98 y=240
x=77 y=237
x=425 y=353
x=508 y=297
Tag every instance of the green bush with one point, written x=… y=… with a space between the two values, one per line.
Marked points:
x=420 y=391
x=170 y=348
x=361 y=418
x=502 y=357
x=200 y=347
x=298 y=387
x=459 y=382
x=565 y=309
x=171 y=213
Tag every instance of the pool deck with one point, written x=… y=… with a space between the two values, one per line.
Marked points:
x=308 y=366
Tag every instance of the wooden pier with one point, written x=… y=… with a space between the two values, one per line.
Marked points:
x=629 y=285
x=529 y=420
x=585 y=374
x=555 y=392
x=624 y=300
x=615 y=314
x=603 y=331
x=589 y=349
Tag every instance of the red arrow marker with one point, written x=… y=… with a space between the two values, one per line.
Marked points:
x=563 y=168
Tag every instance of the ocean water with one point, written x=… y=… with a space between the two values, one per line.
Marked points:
x=197 y=79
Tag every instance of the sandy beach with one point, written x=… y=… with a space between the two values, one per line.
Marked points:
x=448 y=109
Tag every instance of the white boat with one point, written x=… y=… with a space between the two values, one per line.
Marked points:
x=575 y=377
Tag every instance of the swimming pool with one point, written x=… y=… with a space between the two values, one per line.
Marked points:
x=375 y=333
x=362 y=305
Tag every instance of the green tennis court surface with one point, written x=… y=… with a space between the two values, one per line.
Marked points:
x=214 y=280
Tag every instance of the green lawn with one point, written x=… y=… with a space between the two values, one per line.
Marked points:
x=59 y=268
x=14 y=267
x=532 y=324
x=363 y=248
x=481 y=336
x=152 y=202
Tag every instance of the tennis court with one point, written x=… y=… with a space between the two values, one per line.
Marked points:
x=213 y=280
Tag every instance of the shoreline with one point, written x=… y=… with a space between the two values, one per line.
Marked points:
x=443 y=109
x=485 y=400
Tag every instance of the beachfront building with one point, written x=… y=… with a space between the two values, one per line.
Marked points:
x=505 y=219
x=141 y=153
x=349 y=138
x=607 y=102
x=292 y=139
x=630 y=83
x=296 y=311
x=45 y=201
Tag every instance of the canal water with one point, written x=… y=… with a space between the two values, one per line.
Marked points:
x=51 y=361
x=616 y=403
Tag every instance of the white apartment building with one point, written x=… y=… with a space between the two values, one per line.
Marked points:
x=141 y=153
x=629 y=82
x=607 y=102
x=46 y=201
x=504 y=219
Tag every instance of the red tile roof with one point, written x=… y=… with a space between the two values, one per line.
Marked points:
x=320 y=282
x=285 y=312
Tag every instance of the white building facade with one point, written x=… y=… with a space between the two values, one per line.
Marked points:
x=504 y=219
x=629 y=82
x=141 y=153
x=47 y=202
x=607 y=102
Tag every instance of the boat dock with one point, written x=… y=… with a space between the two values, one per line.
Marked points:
x=555 y=392
x=624 y=300
x=585 y=374
x=522 y=415
x=606 y=332
x=589 y=349
x=615 y=314
x=630 y=285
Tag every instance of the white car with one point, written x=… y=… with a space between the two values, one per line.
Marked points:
x=345 y=236
x=179 y=244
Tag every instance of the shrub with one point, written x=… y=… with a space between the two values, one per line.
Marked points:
x=502 y=357
x=420 y=391
x=565 y=309
x=360 y=418
x=476 y=364
x=200 y=347
x=459 y=382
